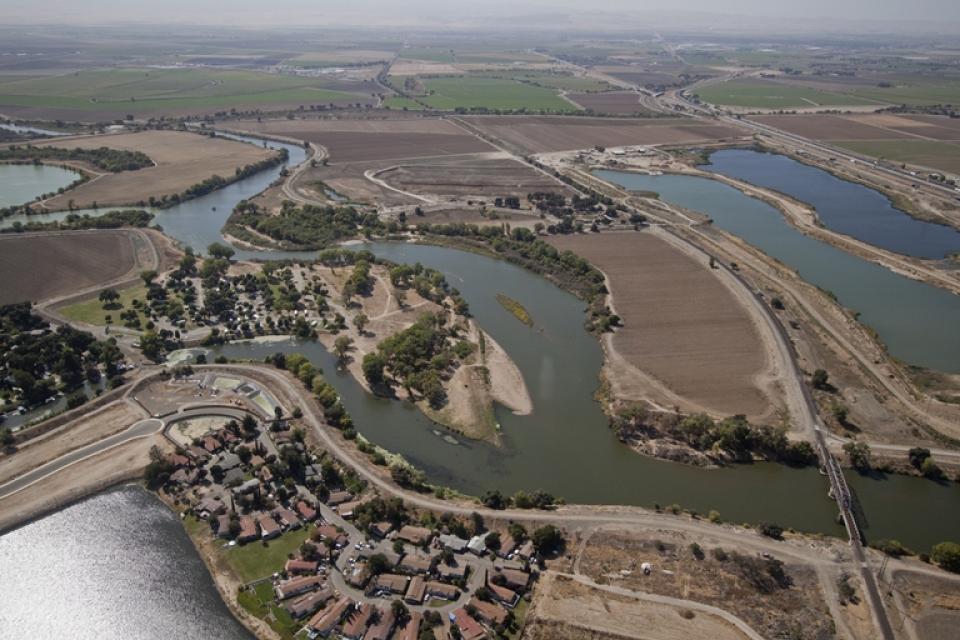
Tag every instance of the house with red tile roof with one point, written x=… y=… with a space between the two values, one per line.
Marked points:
x=308 y=513
x=411 y=630
x=248 y=530
x=326 y=620
x=297 y=565
x=356 y=622
x=469 y=628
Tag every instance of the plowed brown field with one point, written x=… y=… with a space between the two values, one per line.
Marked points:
x=45 y=266
x=544 y=133
x=682 y=325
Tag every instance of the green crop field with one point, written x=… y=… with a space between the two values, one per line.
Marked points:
x=491 y=93
x=139 y=90
x=910 y=92
x=774 y=95
x=399 y=102
x=928 y=153
x=557 y=80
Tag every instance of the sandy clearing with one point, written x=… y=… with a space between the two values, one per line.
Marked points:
x=38 y=267
x=560 y=599
x=470 y=177
x=125 y=462
x=683 y=327
x=111 y=419
x=182 y=160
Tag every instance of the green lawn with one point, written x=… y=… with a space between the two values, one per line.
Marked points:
x=491 y=93
x=774 y=95
x=928 y=153
x=254 y=561
x=92 y=311
x=152 y=89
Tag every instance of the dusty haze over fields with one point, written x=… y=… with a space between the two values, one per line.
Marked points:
x=567 y=14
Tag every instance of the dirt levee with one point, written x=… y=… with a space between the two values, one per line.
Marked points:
x=682 y=326
x=362 y=140
x=182 y=160
x=545 y=134
x=45 y=266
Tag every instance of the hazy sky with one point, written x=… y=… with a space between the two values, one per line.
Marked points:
x=410 y=12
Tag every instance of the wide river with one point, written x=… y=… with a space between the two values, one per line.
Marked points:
x=564 y=447
x=117 y=565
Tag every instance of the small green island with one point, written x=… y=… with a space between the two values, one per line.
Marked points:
x=515 y=308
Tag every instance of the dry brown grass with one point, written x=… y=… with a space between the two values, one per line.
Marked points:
x=546 y=134
x=797 y=611
x=39 y=267
x=182 y=160
x=366 y=140
x=682 y=325
x=567 y=609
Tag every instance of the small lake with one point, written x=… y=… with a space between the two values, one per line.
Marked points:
x=118 y=565
x=917 y=322
x=845 y=207
x=22 y=183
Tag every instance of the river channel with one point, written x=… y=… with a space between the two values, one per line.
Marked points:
x=845 y=207
x=917 y=322
x=115 y=566
x=565 y=446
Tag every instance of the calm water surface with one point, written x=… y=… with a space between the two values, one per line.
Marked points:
x=919 y=323
x=24 y=182
x=842 y=206
x=116 y=566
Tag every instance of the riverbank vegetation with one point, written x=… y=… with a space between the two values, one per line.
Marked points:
x=104 y=158
x=301 y=227
x=75 y=222
x=699 y=439
x=522 y=247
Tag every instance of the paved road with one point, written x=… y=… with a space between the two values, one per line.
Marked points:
x=142 y=429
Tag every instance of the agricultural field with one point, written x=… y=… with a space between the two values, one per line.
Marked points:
x=39 y=267
x=374 y=139
x=769 y=94
x=181 y=160
x=467 y=177
x=611 y=103
x=924 y=153
x=547 y=134
x=925 y=141
x=682 y=325
x=453 y=92
x=99 y=95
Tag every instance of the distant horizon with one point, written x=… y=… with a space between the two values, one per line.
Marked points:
x=734 y=16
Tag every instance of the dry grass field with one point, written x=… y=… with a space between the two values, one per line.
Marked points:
x=720 y=578
x=38 y=267
x=613 y=102
x=682 y=326
x=564 y=608
x=470 y=177
x=182 y=160
x=367 y=140
x=546 y=134
x=931 y=603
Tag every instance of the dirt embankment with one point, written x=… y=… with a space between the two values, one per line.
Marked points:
x=119 y=464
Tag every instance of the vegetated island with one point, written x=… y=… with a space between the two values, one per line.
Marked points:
x=515 y=308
